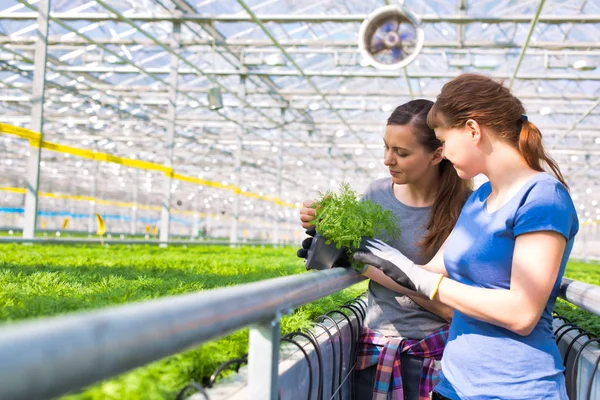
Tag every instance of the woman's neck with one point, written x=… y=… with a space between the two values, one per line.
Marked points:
x=421 y=194
x=507 y=169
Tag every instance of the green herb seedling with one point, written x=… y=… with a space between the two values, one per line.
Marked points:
x=344 y=219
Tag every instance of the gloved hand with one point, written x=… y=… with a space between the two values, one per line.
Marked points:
x=303 y=252
x=395 y=265
x=342 y=260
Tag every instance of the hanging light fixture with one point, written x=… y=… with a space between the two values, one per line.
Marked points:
x=215 y=99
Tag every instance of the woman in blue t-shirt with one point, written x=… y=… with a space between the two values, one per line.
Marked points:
x=501 y=267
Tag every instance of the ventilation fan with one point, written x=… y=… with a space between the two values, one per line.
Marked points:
x=390 y=38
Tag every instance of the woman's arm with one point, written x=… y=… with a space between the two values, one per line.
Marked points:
x=536 y=262
x=432 y=306
x=436 y=264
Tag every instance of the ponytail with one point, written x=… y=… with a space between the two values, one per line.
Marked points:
x=450 y=197
x=532 y=150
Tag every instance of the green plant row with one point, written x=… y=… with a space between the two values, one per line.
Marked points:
x=38 y=281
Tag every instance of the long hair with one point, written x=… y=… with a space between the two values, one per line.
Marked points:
x=490 y=103
x=452 y=191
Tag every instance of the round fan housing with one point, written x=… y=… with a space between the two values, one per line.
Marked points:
x=390 y=38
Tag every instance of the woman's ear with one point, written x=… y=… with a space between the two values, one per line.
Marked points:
x=474 y=130
x=438 y=156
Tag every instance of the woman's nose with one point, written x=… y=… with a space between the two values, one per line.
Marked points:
x=387 y=158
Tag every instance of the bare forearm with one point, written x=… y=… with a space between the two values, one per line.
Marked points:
x=504 y=308
x=433 y=306
x=378 y=276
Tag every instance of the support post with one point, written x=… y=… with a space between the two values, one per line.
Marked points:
x=263 y=360
x=165 y=213
x=92 y=209
x=134 y=209
x=233 y=234
x=278 y=219
x=37 y=120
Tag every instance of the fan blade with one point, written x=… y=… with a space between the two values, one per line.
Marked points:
x=376 y=46
x=397 y=53
x=378 y=34
x=392 y=25
x=407 y=36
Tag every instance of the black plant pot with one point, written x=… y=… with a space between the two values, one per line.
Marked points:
x=322 y=255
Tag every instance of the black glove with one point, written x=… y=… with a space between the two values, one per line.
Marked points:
x=365 y=255
x=303 y=252
x=307 y=252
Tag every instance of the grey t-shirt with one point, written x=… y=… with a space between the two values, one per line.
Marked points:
x=389 y=312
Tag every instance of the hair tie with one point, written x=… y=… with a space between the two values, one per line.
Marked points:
x=523 y=118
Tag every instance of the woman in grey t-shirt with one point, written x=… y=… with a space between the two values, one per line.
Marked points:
x=426 y=195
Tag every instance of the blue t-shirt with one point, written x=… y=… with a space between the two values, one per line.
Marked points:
x=482 y=360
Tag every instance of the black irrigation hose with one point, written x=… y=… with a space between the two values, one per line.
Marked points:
x=320 y=325
x=341 y=384
x=352 y=343
x=361 y=306
x=567 y=325
x=573 y=328
x=220 y=368
x=192 y=385
x=574 y=366
x=313 y=340
x=287 y=339
x=360 y=299
x=359 y=323
x=591 y=381
x=583 y=333
x=339 y=334
x=358 y=308
x=359 y=317
x=308 y=334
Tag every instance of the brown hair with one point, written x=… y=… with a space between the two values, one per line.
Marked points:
x=452 y=191
x=490 y=103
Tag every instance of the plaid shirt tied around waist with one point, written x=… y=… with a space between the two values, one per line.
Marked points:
x=383 y=351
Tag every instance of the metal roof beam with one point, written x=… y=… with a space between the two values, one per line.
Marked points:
x=307 y=74
x=572 y=127
x=301 y=43
x=534 y=22
x=309 y=18
x=294 y=104
x=134 y=91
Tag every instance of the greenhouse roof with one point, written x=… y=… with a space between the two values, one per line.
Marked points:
x=297 y=95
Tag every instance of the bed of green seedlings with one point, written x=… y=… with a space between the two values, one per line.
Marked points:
x=584 y=272
x=37 y=281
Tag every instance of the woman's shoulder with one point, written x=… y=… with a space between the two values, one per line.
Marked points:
x=546 y=188
x=546 y=202
x=379 y=185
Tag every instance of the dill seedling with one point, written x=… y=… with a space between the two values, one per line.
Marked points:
x=342 y=218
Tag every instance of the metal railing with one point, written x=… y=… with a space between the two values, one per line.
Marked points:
x=579 y=349
x=583 y=295
x=52 y=356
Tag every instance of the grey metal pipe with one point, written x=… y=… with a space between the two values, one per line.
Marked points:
x=41 y=240
x=53 y=356
x=583 y=295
